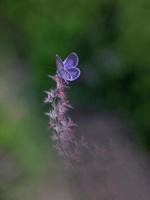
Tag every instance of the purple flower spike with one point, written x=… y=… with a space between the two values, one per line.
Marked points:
x=68 y=70
x=69 y=146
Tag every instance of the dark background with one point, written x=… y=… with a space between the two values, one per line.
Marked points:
x=112 y=39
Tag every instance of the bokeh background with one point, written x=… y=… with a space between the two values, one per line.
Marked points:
x=112 y=39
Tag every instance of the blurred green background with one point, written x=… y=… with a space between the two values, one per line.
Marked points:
x=112 y=39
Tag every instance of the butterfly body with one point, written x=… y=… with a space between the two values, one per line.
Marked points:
x=67 y=69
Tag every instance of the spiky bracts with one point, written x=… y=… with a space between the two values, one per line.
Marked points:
x=61 y=124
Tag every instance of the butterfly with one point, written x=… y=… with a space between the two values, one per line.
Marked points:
x=67 y=69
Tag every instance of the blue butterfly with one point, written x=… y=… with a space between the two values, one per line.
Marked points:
x=67 y=69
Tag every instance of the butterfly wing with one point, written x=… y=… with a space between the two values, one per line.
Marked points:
x=59 y=63
x=71 y=61
x=67 y=70
x=65 y=75
x=74 y=73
